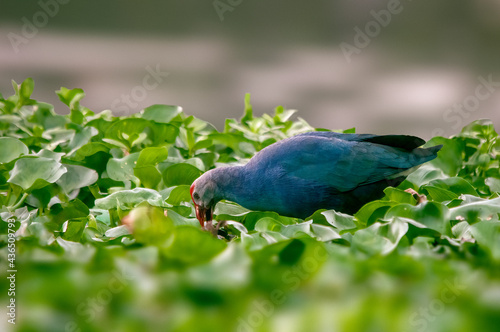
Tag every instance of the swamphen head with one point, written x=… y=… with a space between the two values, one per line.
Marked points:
x=203 y=193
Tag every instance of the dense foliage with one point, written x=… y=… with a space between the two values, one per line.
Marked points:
x=106 y=237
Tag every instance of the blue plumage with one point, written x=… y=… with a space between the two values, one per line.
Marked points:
x=316 y=170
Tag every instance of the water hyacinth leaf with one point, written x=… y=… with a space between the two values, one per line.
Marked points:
x=91 y=148
x=248 y=113
x=379 y=239
x=186 y=136
x=75 y=229
x=149 y=176
x=493 y=183
x=122 y=169
x=181 y=220
x=339 y=220
x=424 y=174
x=26 y=88
x=431 y=214
x=439 y=194
x=482 y=128
x=129 y=130
x=230 y=140
x=372 y=211
x=145 y=168
x=81 y=138
x=462 y=231
x=45 y=116
x=179 y=194
x=63 y=212
x=161 y=113
x=44 y=153
x=11 y=148
x=449 y=158
x=323 y=233
x=34 y=173
x=198 y=125
x=180 y=174
x=398 y=195
x=487 y=234
x=76 y=177
x=71 y=97
x=268 y=224
x=127 y=199
x=233 y=263
x=151 y=156
x=196 y=162
x=230 y=211
x=117 y=231
x=474 y=211
x=455 y=185
x=202 y=144
x=193 y=246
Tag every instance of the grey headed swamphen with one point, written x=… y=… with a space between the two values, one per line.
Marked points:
x=316 y=170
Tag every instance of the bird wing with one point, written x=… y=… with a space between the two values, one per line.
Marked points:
x=338 y=163
x=404 y=142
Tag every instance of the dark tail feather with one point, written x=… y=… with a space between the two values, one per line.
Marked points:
x=425 y=155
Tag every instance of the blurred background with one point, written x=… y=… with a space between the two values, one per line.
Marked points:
x=415 y=67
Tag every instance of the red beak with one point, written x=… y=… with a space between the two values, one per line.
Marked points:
x=203 y=214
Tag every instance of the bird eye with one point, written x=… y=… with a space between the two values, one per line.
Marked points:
x=196 y=196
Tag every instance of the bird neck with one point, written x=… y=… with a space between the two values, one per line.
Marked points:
x=230 y=182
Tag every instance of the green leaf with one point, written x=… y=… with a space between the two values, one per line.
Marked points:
x=122 y=169
x=149 y=176
x=379 y=239
x=487 y=234
x=117 y=232
x=11 y=148
x=146 y=169
x=91 y=148
x=152 y=156
x=424 y=174
x=372 y=211
x=431 y=214
x=161 y=113
x=474 y=211
x=128 y=199
x=493 y=183
x=63 y=212
x=76 y=177
x=34 y=173
x=482 y=128
x=129 y=130
x=180 y=174
x=248 y=114
x=75 y=229
x=179 y=194
x=26 y=88
x=398 y=195
x=339 y=220
x=450 y=188
x=181 y=220
x=71 y=97
x=449 y=158
x=193 y=246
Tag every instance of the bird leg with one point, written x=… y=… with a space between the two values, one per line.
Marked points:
x=420 y=198
x=214 y=230
x=209 y=226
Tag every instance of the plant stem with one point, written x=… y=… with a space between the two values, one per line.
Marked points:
x=18 y=204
